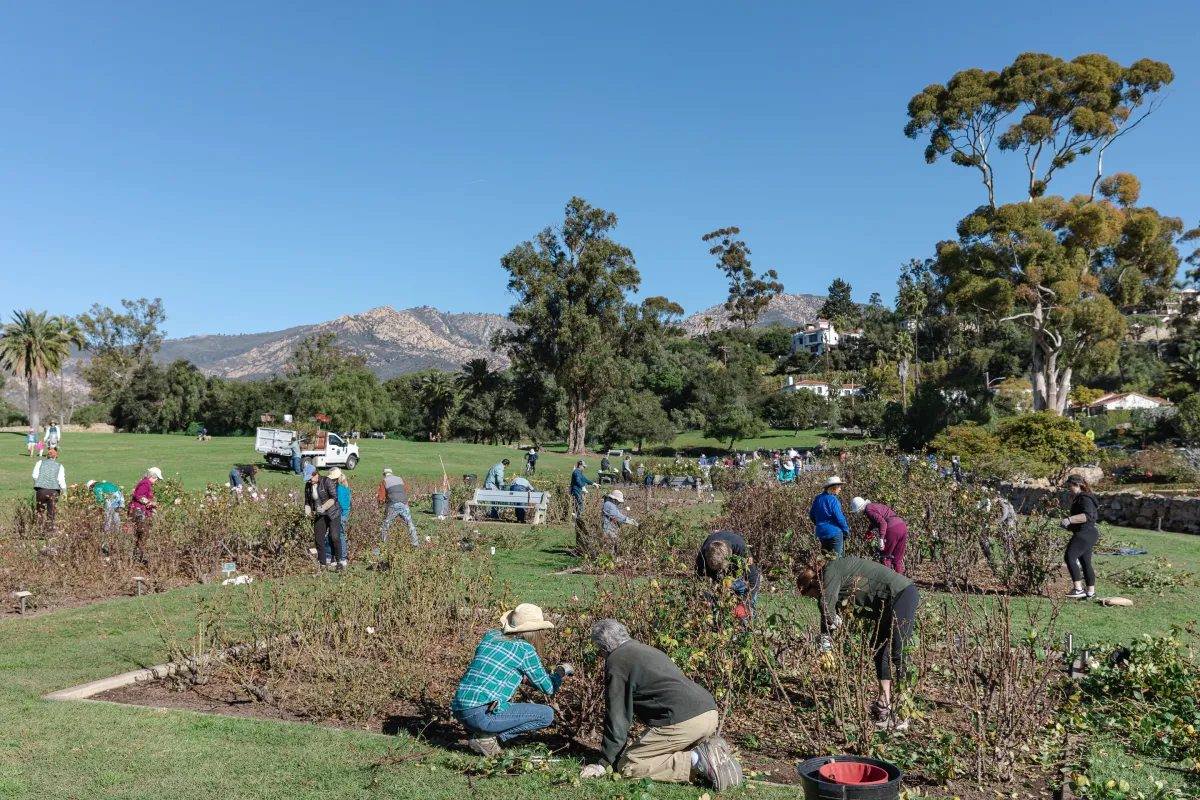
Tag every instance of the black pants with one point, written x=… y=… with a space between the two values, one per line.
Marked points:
x=327 y=532
x=892 y=633
x=1079 y=552
x=47 y=500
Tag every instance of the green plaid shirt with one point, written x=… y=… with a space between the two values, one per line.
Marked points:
x=496 y=672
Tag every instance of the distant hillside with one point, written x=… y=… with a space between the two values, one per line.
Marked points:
x=394 y=343
x=792 y=310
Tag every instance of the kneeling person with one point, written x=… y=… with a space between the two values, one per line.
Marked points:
x=483 y=702
x=680 y=740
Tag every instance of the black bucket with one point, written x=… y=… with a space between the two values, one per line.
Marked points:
x=817 y=788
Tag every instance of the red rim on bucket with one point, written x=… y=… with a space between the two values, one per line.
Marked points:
x=852 y=773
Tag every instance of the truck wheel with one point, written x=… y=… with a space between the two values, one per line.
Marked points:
x=352 y=462
x=305 y=462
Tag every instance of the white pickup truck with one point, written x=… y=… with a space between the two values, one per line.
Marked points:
x=328 y=450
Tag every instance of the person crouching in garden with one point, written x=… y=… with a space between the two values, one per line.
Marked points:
x=612 y=518
x=321 y=505
x=243 y=474
x=506 y=656
x=826 y=514
x=680 y=742
x=889 y=598
x=1082 y=524
x=109 y=497
x=723 y=555
x=891 y=529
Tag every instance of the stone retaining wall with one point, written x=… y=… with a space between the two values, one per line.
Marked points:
x=1130 y=509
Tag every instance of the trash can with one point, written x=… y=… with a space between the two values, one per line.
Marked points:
x=878 y=780
x=441 y=504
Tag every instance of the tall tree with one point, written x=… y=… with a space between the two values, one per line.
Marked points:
x=748 y=296
x=439 y=399
x=839 y=307
x=475 y=377
x=119 y=343
x=32 y=345
x=1023 y=262
x=1056 y=111
x=320 y=356
x=571 y=285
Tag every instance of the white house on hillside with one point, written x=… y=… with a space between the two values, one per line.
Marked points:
x=822 y=388
x=815 y=337
x=1122 y=401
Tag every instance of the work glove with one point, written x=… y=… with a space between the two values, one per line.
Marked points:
x=632 y=522
x=566 y=669
x=828 y=662
x=592 y=771
x=1066 y=522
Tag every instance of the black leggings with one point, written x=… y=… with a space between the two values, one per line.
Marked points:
x=326 y=531
x=1079 y=552
x=893 y=631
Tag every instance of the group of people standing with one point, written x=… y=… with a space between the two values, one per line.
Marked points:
x=327 y=502
x=50 y=440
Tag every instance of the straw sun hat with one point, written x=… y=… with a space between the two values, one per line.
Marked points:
x=834 y=481
x=523 y=619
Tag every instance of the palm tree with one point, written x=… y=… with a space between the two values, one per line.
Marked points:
x=438 y=397
x=32 y=346
x=1187 y=369
x=475 y=376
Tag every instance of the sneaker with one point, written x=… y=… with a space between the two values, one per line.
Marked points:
x=885 y=720
x=341 y=565
x=1076 y=594
x=486 y=746
x=1091 y=595
x=717 y=765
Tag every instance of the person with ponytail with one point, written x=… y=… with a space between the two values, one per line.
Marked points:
x=1082 y=524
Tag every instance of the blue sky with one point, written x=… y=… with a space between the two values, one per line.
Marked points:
x=261 y=165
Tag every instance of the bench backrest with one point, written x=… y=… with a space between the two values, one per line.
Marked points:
x=502 y=497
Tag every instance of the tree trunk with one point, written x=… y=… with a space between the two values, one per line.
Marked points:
x=35 y=416
x=577 y=428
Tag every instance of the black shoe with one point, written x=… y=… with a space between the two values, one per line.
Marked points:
x=1076 y=594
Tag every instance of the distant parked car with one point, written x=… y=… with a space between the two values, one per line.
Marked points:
x=376 y=435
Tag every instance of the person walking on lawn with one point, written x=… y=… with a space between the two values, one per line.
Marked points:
x=504 y=658
x=110 y=498
x=826 y=514
x=892 y=531
x=49 y=480
x=53 y=435
x=294 y=450
x=724 y=555
x=612 y=518
x=891 y=600
x=680 y=742
x=579 y=484
x=31 y=441
x=495 y=480
x=321 y=505
x=531 y=461
x=1082 y=524
x=394 y=499
x=142 y=509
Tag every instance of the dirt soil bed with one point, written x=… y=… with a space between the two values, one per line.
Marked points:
x=763 y=726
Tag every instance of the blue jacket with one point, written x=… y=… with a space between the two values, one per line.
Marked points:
x=344 y=499
x=578 y=481
x=826 y=514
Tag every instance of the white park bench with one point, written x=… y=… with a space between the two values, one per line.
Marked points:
x=537 y=502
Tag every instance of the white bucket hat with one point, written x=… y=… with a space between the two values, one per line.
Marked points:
x=90 y=484
x=858 y=505
x=154 y=472
x=617 y=495
x=833 y=481
x=523 y=619
x=387 y=471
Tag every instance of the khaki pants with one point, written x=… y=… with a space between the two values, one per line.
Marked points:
x=664 y=754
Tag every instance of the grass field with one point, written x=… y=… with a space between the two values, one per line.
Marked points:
x=95 y=750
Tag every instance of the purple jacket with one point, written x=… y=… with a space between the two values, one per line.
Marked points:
x=884 y=520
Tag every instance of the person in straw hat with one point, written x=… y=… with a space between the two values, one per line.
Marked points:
x=826 y=514
x=612 y=518
x=483 y=703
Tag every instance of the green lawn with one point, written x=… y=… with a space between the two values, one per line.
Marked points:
x=124 y=457
x=94 y=750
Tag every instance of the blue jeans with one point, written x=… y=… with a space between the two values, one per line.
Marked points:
x=832 y=544
x=748 y=594
x=578 y=504
x=516 y=719
x=112 y=518
x=402 y=511
x=235 y=479
x=342 y=536
x=296 y=464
